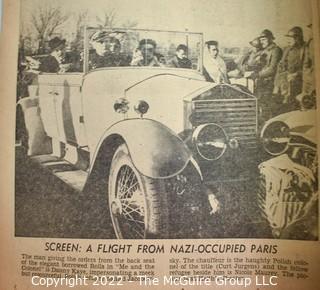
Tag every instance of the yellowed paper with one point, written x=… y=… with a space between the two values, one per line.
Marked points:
x=172 y=125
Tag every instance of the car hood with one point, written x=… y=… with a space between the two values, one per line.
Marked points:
x=166 y=95
x=301 y=123
x=165 y=91
x=122 y=78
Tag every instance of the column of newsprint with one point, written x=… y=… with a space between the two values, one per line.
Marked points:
x=167 y=264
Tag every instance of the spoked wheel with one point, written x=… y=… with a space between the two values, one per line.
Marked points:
x=137 y=204
x=127 y=204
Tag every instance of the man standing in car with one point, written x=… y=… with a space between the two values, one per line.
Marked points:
x=264 y=76
x=215 y=69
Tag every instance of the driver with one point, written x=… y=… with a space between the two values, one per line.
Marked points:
x=106 y=51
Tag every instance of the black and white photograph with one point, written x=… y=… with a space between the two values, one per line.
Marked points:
x=166 y=120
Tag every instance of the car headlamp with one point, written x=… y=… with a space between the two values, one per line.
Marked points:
x=276 y=137
x=210 y=141
x=121 y=106
x=141 y=107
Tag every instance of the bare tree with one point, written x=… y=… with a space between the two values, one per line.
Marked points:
x=130 y=24
x=81 y=20
x=46 y=19
x=108 y=20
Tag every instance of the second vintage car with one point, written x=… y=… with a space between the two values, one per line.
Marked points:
x=288 y=192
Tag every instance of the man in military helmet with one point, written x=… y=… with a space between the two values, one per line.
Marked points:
x=290 y=70
x=264 y=74
x=249 y=62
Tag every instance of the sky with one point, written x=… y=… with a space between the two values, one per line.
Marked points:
x=231 y=22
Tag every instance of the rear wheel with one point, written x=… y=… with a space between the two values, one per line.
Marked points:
x=138 y=204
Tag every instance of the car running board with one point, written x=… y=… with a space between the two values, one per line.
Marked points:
x=65 y=171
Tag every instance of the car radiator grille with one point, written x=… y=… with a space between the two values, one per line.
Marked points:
x=237 y=117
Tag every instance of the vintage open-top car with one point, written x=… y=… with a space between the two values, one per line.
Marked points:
x=289 y=179
x=153 y=142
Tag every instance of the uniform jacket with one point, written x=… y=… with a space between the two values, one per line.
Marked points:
x=308 y=69
x=252 y=61
x=292 y=64
x=293 y=59
x=270 y=58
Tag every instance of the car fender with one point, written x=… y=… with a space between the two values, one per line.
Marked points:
x=301 y=123
x=155 y=150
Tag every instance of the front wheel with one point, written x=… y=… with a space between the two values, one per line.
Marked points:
x=138 y=204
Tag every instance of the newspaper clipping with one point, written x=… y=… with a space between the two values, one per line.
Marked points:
x=165 y=144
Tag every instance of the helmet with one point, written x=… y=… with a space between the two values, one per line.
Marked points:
x=295 y=32
x=267 y=33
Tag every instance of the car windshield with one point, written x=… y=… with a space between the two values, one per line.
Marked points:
x=137 y=47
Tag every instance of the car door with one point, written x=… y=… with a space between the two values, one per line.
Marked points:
x=61 y=107
x=47 y=104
